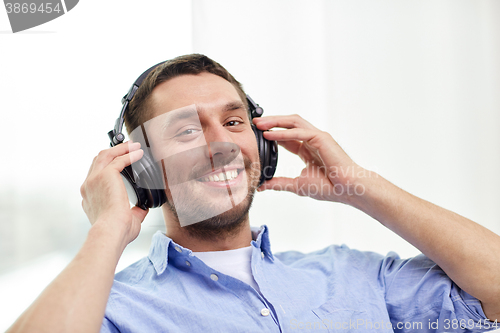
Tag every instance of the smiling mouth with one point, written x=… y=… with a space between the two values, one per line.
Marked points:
x=220 y=176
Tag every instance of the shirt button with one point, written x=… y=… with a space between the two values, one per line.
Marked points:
x=188 y=263
x=178 y=249
x=264 y=312
x=262 y=254
x=214 y=277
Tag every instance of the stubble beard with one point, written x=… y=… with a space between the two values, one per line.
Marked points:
x=227 y=223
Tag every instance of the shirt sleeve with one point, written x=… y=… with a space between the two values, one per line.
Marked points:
x=418 y=290
x=108 y=327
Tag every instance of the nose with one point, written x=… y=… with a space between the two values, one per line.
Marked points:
x=221 y=148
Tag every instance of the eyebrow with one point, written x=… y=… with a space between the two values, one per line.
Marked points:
x=230 y=106
x=179 y=115
x=188 y=113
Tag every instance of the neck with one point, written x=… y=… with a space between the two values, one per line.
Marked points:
x=199 y=238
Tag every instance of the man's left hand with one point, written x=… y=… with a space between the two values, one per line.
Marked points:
x=329 y=174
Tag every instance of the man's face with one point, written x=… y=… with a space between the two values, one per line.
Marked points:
x=201 y=133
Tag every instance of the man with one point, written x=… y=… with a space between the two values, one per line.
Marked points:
x=215 y=273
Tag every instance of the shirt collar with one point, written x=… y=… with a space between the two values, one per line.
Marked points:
x=163 y=247
x=262 y=240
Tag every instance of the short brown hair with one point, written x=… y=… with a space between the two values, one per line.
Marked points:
x=139 y=109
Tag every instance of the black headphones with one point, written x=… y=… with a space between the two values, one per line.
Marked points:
x=144 y=180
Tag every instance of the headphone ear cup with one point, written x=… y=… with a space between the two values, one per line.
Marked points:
x=148 y=183
x=269 y=168
x=268 y=154
x=136 y=195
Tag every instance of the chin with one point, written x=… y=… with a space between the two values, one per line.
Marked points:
x=221 y=225
x=211 y=216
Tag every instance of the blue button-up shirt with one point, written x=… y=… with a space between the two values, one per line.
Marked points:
x=334 y=289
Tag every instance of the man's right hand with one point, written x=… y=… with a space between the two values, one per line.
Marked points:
x=105 y=199
x=76 y=300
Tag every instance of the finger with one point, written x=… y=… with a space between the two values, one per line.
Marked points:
x=299 y=134
x=292 y=146
x=293 y=121
x=121 y=162
x=320 y=146
x=279 y=184
x=105 y=157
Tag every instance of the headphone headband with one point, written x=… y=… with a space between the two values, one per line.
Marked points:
x=116 y=135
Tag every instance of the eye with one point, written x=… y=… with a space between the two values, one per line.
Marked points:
x=233 y=123
x=187 y=132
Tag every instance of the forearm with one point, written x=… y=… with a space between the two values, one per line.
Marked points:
x=465 y=250
x=76 y=300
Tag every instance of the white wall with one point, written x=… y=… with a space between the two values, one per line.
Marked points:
x=60 y=86
x=408 y=89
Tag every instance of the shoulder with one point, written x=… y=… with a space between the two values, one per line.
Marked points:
x=336 y=253
x=367 y=266
x=135 y=271
x=135 y=276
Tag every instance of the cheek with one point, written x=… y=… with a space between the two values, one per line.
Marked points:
x=249 y=147
x=253 y=161
x=170 y=149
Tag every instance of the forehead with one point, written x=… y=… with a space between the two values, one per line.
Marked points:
x=208 y=91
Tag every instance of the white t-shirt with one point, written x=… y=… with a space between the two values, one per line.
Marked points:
x=235 y=263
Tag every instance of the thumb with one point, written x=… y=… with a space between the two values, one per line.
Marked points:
x=139 y=214
x=279 y=184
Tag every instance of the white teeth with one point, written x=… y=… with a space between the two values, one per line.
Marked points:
x=228 y=175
